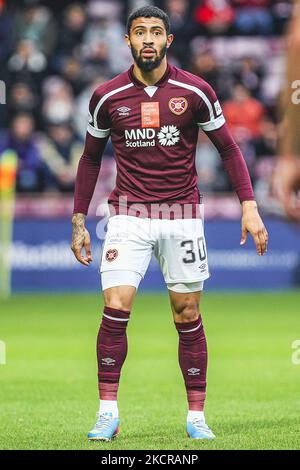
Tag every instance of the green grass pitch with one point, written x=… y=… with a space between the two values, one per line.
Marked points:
x=48 y=387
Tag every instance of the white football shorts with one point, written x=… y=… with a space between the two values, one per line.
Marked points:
x=179 y=246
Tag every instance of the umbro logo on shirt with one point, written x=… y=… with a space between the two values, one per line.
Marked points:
x=124 y=111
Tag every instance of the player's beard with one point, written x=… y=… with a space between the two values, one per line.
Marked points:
x=147 y=65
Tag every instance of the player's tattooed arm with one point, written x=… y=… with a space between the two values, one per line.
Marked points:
x=252 y=223
x=81 y=239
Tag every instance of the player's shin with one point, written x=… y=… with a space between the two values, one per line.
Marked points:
x=193 y=363
x=111 y=354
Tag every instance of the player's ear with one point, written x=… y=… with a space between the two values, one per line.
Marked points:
x=170 y=39
x=126 y=37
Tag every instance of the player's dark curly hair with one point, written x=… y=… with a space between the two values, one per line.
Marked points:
x=149 y=12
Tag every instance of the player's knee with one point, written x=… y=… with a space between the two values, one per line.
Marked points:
x=189 y=314
x=117 y=302
x=186 y=311
x=119 y=297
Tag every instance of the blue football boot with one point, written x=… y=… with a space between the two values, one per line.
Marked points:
x=197 y=429
x=105 y=429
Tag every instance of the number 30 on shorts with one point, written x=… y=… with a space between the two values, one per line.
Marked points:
x=190 y=250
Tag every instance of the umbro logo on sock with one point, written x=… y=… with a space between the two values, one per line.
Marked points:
x=193 y=371
x=107 y=361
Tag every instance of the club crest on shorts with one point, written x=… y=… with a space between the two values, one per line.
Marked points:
x=178 y=105
x=111 y=255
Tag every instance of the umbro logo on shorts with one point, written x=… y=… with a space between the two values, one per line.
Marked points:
x=193 y=371
x=202 y=267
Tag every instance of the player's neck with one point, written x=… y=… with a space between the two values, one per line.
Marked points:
x=150 y=78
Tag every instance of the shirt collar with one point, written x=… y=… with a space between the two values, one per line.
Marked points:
x=161 y=82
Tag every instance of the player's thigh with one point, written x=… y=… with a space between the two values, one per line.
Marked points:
x=119 y=288
x=126 y=254
x=181 y=251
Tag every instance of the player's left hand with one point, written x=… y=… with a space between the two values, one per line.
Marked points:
x=252 y=223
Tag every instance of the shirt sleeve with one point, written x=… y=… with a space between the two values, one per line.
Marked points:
x=87 y=172
x=209 y=114
x=234 y=162
x=98 y=120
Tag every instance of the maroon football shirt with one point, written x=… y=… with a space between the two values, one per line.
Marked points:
x=154 y=131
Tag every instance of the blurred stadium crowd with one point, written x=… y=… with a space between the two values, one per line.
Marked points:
x=53 y=55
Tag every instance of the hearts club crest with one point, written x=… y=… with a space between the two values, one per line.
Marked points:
x=178 y=105
x=111 y=255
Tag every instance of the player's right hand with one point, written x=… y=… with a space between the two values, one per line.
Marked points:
x=81 y=239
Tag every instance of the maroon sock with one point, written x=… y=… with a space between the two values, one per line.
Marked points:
x=111 y=351
x=192 y=355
